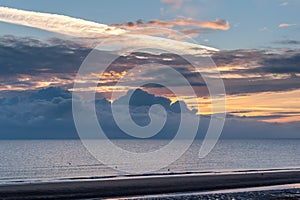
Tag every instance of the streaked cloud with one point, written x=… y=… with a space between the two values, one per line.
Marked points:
x=284 y=106
x=194 y=26
x=286 y=25
x=260 y=61
x=288 y=42
x=188 y=26
x=91 y=30
x=57 y=23
x=217 y=24
x=86 y=29
x=284 y=3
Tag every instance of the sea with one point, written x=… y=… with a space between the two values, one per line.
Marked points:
x=28 y=161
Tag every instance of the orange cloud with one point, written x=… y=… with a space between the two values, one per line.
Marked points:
x=285 y=25
x=220 y=24
x=259 y=104
x=283 y=108
x=160 y=23
x=190 y=27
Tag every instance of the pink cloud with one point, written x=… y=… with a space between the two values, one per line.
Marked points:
x=220 y=24
x=285 y=25
x=188 y=26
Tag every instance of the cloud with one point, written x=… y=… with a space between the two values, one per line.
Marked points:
x=288 y=42
x=259 y=61
x=39 y=114
x=190 y=27
x=285 y=25
x=142 y=98
x=87 y=29
x=194 y=32
x=217 y=24
x=27 y=63
x=263 y=29
x=23 y=55
x=280 y=64
x=284 y=3
x=30 y=64
x=57 y=23
x=180 y=8
x=47 y=114
x=194 y=26
x=250 y=71
x=175 y=4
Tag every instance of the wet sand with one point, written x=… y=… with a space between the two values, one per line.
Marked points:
x=278 y=192
x=122 y=187
x=285 y=194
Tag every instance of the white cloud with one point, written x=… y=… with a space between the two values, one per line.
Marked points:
x=57 y=23
x=87 y=29
x=284 y=3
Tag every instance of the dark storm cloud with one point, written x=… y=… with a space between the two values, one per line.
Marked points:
x=237 y=57
x=38 y=114
x=138 y=58
x=57 y=58
x=258 y=61
x=29 y=56
x=259 y=71
x=288 y=42
x=285 y=63
x=47 y=113
x=254 y=85
x=177 y=62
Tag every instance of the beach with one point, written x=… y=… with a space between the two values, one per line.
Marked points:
x=147 y=185
x=273 y=194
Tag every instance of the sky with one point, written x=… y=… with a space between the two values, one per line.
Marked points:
x=255 y=46
x=253 y=24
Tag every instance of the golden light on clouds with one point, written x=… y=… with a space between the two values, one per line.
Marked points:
x=280 y=107
x=267 y=104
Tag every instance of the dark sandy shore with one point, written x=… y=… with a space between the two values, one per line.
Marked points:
x=121 y=187
x=282 y=194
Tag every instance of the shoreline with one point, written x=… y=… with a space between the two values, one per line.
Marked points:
x=8 y=182
x=286 y=191
x=148 y=185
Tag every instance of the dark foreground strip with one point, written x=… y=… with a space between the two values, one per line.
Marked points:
x=146 y=185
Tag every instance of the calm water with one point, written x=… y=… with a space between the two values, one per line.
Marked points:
x=49 y=160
